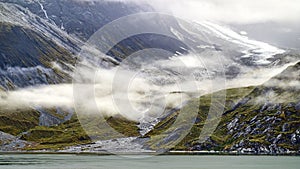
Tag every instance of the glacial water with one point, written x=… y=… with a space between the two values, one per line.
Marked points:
x=56 y=161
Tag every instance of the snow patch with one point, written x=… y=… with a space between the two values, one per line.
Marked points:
x=206 y=47
x=243 y=33
x=43 y=9
x=177 y=34
x=259 y=50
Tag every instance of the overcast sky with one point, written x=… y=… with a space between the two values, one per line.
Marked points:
x=231 y=11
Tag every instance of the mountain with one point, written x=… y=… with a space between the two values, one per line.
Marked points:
x=47 y=35
x=69 y=25
x=257 y=120
x=42 y=42
x=35 y=52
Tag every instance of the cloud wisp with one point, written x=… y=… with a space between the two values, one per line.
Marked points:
x=141 y=93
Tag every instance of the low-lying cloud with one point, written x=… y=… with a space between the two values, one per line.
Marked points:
x=142 y=93
x=39 y=96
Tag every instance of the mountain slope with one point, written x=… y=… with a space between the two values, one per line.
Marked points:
x=39 y=41
x=28 y=58
x=264 y=119
x=80 y=18
x=35 y=51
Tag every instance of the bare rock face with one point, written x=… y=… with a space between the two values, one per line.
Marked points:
x=12 y=143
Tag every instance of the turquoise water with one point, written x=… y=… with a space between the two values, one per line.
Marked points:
x=157 y=162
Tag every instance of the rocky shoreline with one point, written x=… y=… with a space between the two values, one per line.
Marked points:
x=122 y=146
x=200 y=153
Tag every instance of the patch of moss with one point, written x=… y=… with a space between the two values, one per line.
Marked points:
x=71 y=133
x=219 y=137
x=17 y=121
x=56 y=137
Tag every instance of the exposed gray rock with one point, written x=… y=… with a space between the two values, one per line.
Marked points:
x=258 y=124
x=255 y=131
x=239 y=104
x=47 y=119
x=278 y=113
x=232 y=72
x=170 y=138
x=285 y=127
x=232 y=124
x=276 y=140
x=268 y=119
x=264 y=107
x=277 y=120
x=297 y=106
x=295 y=138
x=11 y=143
x=288 y=113
x=120 y=145
x=278 y=107
x=206 y=146
x=291 y=105
x=272 y=107
x=274 y=149
x=248 y=130
x=238 y=134
x=267 y=130
x=241 y=143
x=252 y=121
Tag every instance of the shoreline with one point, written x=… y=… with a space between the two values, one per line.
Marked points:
x=171 y=153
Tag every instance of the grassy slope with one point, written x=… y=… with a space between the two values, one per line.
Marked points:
x=71 y=133
x=16 y=122
x=25 y=125
x=233 y=95
x=260 y=122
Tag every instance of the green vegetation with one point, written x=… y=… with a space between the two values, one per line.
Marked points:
x=124 y=126
x=71 y=133
x=253 y=118
x=233 y=95
x=17 y=121
x=25 y=124
x=57 y=137
x=249 y=117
